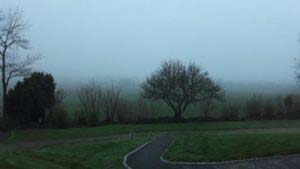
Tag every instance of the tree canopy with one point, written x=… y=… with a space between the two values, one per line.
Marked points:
x=28 y=100
x=180 y=85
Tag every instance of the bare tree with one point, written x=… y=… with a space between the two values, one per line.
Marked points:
x=12 y=29
x=179 y=85
x=90 y=98
x=110 y=102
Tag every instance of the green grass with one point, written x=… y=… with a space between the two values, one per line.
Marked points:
x=189 y=146
x=104 y=155
x=54 y=134
x=213 y=148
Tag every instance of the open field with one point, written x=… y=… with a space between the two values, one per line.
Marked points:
x=226 y=147
x=106 y=130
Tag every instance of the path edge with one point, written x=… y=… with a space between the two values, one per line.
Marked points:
x=132 y=152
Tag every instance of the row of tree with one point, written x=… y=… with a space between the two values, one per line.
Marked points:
x=34 y=102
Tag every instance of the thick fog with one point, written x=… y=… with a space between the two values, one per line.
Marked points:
x=236 y=41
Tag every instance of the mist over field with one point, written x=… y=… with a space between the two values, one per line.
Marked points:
x=251 y=43
x=145 y=84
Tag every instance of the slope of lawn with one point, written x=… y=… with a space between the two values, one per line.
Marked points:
x=106 y=130
x=225 y=147
x=104 y=155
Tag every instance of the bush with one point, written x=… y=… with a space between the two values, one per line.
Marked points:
x=280 y=109
x=92 y=120
x=231 y=111
x=254 y=107
x=80 y=119
x=269 y=110
x=288 y=103
x=124 y=112
x=58 y=117
x=292 y=106
x=145 y=109
x=28 y=101
x=206 y=108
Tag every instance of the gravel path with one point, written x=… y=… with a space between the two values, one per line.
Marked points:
x=148 y=157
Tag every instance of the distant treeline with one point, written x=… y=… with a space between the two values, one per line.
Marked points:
x=94 y=104
x=174 y=93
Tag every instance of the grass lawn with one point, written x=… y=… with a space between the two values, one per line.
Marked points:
x=224 y=147
x=104 y=155
x=53 y=134
x=189 y=146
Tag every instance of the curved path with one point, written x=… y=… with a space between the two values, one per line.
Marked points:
x=148 y=157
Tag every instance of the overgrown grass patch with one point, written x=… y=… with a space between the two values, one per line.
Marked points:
x=225 y=147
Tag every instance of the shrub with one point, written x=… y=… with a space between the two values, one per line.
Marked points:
x=254 y=108
x=92 y=120
x=292 y=106
x=206 y=108
x=58 y=117
x=28 y=101
x=124 y=111
x=288 y=103
x=269 y=110
x=145 y=109
x=231 y=111
x=80 y=119
x=280 y=109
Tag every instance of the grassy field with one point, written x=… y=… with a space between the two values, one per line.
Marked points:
x=224 y=147
x=54 y=134
x=104 y=155
x=201 y=141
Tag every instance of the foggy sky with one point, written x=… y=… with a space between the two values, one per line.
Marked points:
x=243 y=41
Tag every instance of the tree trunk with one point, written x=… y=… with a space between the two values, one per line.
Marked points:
x=4 y=91
x=4 y=84
x=178 y=116
x=4 y=113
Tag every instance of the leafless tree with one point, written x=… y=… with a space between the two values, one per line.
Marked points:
x=90 y=98
x=110 y=102
x=179 y=85
x=12 y=38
